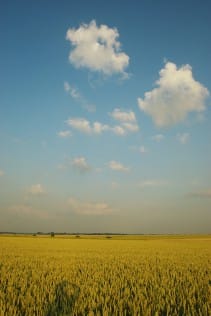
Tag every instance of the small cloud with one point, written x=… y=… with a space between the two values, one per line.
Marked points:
x=77 y=96
x=97 y=49
x=158 y=137
x=27 y=210
x=177 y=94
x=118 y=130
x=117 y=166
x=143 y=150
x=89 y=208
x=127 y=120
x=64 y=134
x=201 y=194
x=114 y=185
x=152 y=183
x=1 y=173
x=97 y=128
x=123 y=116
x=80 y=164
x=130 y=127
x=183 y=138
x=36 y=190
x=80 y=124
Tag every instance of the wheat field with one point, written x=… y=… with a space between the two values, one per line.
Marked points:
x=132 y=275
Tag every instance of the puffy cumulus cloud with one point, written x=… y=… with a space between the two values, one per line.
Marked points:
x=127 y=119
x=97 y=48
x=183 y=138
x=89 y=208
x=85 y=126
x=118 y=130
x=80 y=164
x=177 y=94
x=123 y=116
x=117 y=166
x=36 y=190
x=64 y=134
x=201 y=194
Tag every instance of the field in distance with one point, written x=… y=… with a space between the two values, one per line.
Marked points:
x=97 y=275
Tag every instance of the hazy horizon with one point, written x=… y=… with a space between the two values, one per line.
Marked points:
x=105 y=117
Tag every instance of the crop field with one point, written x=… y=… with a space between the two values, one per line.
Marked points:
x=134 y=275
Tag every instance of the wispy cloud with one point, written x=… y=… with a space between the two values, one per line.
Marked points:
x=27 y=210
x=1 y=173
x=88 y=208
x=183 y=138
x=78 y=97
x=201 y=194
x=177 y=94
x=75 y=94
x=36 y=190
x=117 y=166
x=158 y=137
x=97 y=49
x=152 y=183
x=64 y=134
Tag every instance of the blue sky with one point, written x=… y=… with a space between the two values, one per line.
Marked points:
x=105 y=116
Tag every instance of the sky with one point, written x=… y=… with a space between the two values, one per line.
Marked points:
x=105 y=117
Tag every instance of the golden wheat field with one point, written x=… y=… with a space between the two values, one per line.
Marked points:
x=100 y=276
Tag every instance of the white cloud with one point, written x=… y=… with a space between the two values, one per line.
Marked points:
x=177 y=95
x=87 y=127
x=130 y=127
x=143 y=150
x=117 y=166
x=36 y=190
x=1 y=173
x=152 y=183
x=89 y=208
x=118 y=130
x=123 y=116
x=64 y=134
x=80 y=164
x=158 y=137
x=97 y=49
x=98 y=128
x=80 y=124
x=127 y=120
x=183 y=138
x=76 y=95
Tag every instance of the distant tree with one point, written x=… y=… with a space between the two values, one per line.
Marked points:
x=52 y=234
